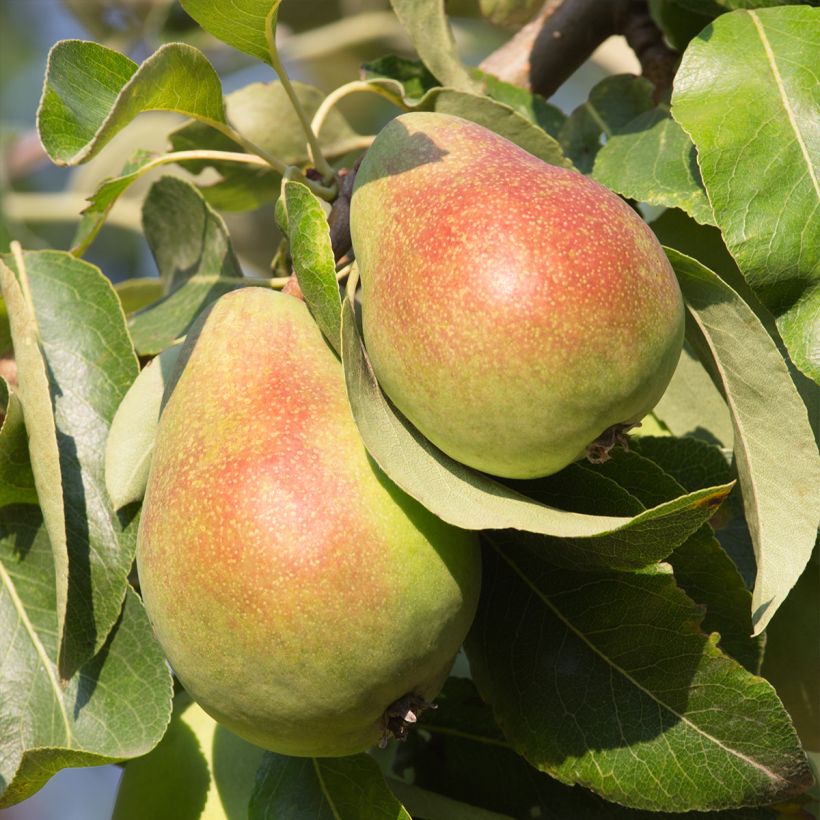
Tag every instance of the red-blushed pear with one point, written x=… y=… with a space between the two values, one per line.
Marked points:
x=516 y=312
x=302 y=599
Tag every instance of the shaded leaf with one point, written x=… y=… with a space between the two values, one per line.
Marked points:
x=75 y=364
x=92 y=92
x=199 y=770
x=775 y=452
x=475 y=501
x=759 y=165
x=136 y=294
x=130 y=443
x=430 y=33
x=428 y=805
x=115 y=707
x=312 y=255
x=16 y=478
x=653 y=160
x=339 y=788
x=195 y=258
x=605 y=680
x=613 y=103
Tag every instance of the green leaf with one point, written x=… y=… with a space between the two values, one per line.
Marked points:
x=605 y=680
x=312 y=255
x=16 y=478
x=92 y=92
x=468 y=758
x=652 y=160
x=473 y=500
x=115 y=707
x=251 y=110
x=340 y=788
x=75 y=364
x=130 y=444
x=199 y=770
x=613 y=103
x=413 y=75
x=240 y=24
x=775 y=452
x=430 y=33
x=427 y=805
x=792 y=661
x=704 y=571
x=195 y=258
x=759 y=165
x=5 y=330
x=136 y=294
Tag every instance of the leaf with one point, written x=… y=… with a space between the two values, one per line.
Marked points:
x=312 y=254
x=413 y=75
x=759 y=165
x=472 y=500
x=240 y=25
x=195 y=258
x=430 y=33
x=130 y=444
x=704 y=571
x=16 y=478
x=613 y=103
x=115 y=707
x=468 y=758
x=605 y=680
x=775 y=452
x=75 y=364
x=92 y=92
x=652 y=160
x=432 y=806
x=199 y=770
x=251 y=110
x=339 y=788
x=136 y=294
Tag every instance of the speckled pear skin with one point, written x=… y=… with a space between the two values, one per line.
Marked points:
x=295 y=590
x=512 y=310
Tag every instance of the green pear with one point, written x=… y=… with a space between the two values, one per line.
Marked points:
x=516 y=312
x=302 y=599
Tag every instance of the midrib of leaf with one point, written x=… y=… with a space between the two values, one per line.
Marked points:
x=321 y=780
x=41 y=651
x=784 y=97
x=597 y=119
x=753 y=763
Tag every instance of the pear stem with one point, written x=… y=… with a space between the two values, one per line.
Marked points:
x=357 y=86
x=314 y=149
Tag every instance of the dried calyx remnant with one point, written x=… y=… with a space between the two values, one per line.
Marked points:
x=401 y=715
x=598 y=451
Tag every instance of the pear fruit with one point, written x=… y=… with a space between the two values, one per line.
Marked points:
x=518 y=313
x=302 y=599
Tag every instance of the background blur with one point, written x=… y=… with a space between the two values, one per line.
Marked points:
x=322 y=42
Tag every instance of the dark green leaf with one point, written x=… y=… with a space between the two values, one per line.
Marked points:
x=199 y=770
x=130 y=443
x=196 y=262
x=340 y=788
x=613 y=103
x=75 y=364
x=759 y=164
x=474 y=501
x=429 y=30
x=415 y=78
x=16 y=478
x=115 y=707
x=468 y=758
x=92 y=92
x=775 y=452
x=605 y=680
x=427 y=805
x=136 y=294
x=312 y=255
x=652 y=160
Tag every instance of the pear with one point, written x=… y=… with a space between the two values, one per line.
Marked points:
x=519 y=314
x=302 y=599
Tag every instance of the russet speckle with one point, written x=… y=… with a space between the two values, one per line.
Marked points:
x=512 y=310
x=280 y=568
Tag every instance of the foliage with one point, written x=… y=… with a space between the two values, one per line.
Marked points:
x=620 y=636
